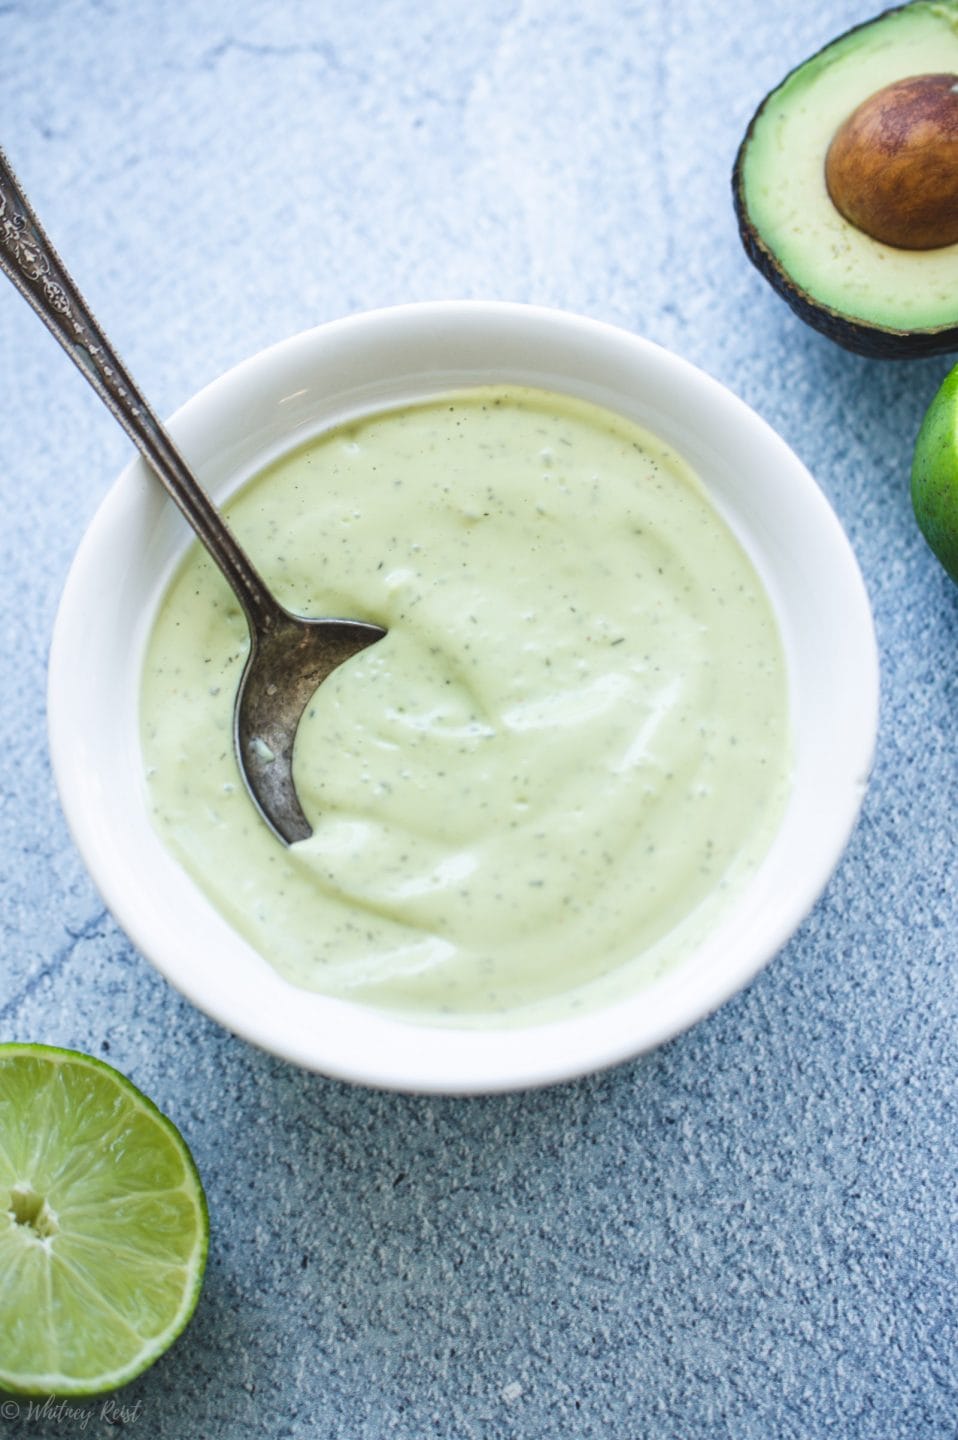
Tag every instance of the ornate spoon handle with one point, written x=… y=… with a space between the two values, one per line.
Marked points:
x=31 y=262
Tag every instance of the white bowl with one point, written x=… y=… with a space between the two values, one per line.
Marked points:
x=303 y=385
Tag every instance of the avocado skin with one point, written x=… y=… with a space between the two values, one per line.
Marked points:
x=934 y=475
x=875 y=341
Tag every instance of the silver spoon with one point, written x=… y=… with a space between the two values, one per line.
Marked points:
x=289 y=656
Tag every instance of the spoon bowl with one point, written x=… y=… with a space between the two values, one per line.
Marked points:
x=289 y=656
x=287 y=663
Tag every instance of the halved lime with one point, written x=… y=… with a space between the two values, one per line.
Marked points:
x=934 y=474
x=103 y=1225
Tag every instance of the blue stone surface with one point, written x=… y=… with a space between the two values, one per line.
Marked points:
x=748 y=1235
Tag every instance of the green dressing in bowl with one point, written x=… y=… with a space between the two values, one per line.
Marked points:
x=566 y=758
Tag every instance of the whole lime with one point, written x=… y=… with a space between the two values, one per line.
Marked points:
x=934 y=474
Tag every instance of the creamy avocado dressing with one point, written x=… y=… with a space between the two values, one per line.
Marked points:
x=570 y=750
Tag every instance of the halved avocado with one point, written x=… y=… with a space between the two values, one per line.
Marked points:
x=869 y=296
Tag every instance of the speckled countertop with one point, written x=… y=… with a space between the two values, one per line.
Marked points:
x=749 y=1234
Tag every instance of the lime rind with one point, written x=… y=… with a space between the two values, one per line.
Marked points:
x=104 y=1227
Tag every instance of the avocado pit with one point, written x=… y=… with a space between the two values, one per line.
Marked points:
x=892 y=166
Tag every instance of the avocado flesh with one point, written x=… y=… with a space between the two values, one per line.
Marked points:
x=789 y=223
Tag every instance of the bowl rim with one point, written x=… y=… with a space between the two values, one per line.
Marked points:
x=351 y=1042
